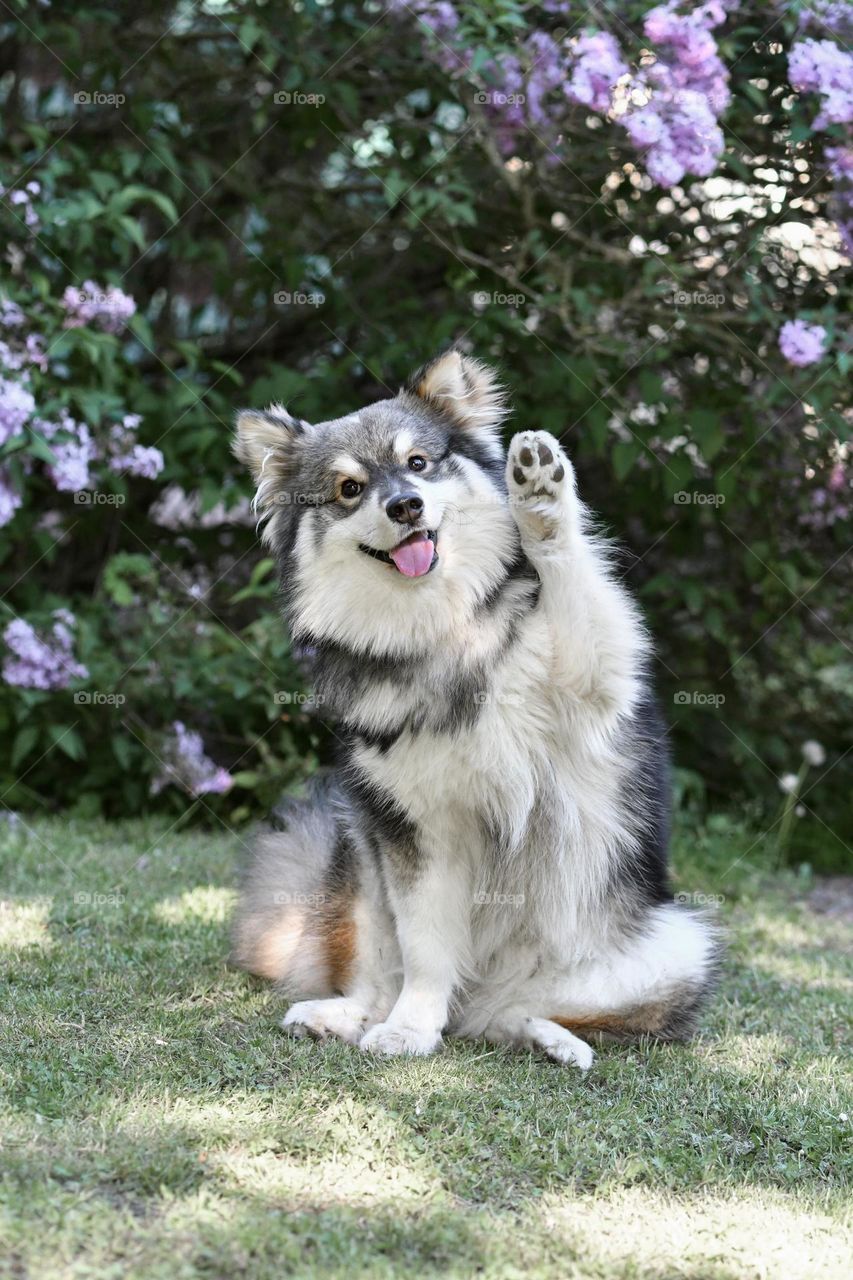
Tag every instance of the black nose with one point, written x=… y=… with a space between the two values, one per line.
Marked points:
x=405 y=508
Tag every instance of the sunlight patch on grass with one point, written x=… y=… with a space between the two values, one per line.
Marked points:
x=24 y=924
x=756 y=1233
x=206 y=903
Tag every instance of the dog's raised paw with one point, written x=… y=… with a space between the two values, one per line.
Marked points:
x=339 y=1018
x=540 y=482
x=391 y=1041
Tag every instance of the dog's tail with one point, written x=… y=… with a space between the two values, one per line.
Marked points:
x=294 y=921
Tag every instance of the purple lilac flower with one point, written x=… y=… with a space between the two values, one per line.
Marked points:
x=828 y=15
x=93 y=304
x=596 y=65
x=10 y=498
x=74 y=450
x=23 y=198
x=187 y=766
x=42 y=661
x=687 y=88
x=11 y=314
x=16 y=406
x=141 y=460
x=127 y=456
x=819 y=66
x=802 y=344
x=546 y=73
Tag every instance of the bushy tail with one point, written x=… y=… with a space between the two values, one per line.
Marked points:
x=293 y=923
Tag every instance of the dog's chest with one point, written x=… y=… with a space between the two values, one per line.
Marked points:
x=476 y=744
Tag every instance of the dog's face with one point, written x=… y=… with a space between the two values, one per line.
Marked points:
x=387 y=520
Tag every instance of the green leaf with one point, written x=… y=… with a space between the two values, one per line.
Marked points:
x=25 y=739
x=67 y=739
x=623 y=456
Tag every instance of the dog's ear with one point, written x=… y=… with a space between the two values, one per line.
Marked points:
x=464 y=389
x=266 y=442
x=265 y=439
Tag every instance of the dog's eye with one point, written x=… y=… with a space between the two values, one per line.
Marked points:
x=351 y=489
x=417 y=463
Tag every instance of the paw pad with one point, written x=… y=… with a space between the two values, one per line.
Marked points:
x=537 y=465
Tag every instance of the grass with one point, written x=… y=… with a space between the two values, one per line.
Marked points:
x=156 y=1123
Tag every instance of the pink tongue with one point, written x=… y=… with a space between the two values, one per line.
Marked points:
x=414 y=557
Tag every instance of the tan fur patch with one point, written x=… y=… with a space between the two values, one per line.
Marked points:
x=270 y=953
x=338 y=940
x=648 y=1020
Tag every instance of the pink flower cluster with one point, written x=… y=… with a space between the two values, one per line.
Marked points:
x=43 y=661
x=94 y=304
x=186 y=765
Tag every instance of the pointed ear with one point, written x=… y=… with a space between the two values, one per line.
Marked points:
x=265 y=438
x=464 y=389
x=265 y=441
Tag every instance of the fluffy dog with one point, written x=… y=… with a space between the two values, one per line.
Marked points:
x=489 y=859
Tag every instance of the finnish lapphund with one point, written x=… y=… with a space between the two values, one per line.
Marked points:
x=489 y=858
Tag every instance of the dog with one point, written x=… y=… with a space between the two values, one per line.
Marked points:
x=489 y=859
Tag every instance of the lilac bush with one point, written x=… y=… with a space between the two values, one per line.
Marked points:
x=42 y=661
x=186 y=765
x=70 y=449
x=109 y=308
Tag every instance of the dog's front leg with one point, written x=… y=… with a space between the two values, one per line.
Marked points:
x=431 y=901
x=597 y=638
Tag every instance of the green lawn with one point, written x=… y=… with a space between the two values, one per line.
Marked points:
x=156 y=1123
